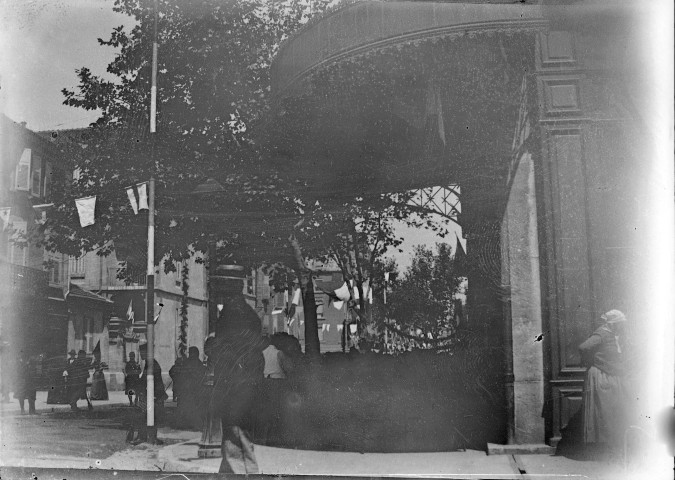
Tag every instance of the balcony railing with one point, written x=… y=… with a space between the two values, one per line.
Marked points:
x=113 y=279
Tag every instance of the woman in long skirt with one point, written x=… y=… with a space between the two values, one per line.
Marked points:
x=606 y=395
x=99 y=390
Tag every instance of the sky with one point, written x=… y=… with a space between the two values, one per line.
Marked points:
x=44 y=42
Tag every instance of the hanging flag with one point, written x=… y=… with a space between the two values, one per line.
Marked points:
x=143 y=196
x=343 y=292
x=97 y=352
x=138 y=197
x=4 y=216
x=338 y=304
x=296 y=297
x=85 y=209
x=130 y=312
x=340 y=327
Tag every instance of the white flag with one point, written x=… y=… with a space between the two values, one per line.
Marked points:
x=130 y=312
x=4 y=216
x=142 y=196
x=343 y=292
x=138 y=197
x=340 y=326
x=296 y=297
x=338 y=304
x=85 y=209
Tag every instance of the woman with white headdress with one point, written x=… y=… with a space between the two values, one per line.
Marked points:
x=606 y=394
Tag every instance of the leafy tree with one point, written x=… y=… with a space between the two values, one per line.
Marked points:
x=422 y=303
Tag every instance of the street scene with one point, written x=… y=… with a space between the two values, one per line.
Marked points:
x=336 y=238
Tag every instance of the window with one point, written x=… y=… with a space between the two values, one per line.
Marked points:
x=179 y=273
x=76 y=265
x=48 y=181
x=22 y=178
x=36 y=178
x=55 y=272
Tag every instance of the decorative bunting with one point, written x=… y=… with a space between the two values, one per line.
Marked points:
x=338 y=304
x=352 y=328
x=85 y=209
x=340 y=327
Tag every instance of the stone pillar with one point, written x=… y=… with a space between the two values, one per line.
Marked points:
x=520 y=263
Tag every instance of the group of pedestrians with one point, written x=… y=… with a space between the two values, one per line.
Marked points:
x=187 y=375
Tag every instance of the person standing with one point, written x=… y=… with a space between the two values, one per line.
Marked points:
x=78 y=374
x=26 y=384
x=138 y=422
x=275 y=373
x=238 y=373
x=605 y=397
x=132 y=371
x=176 y=373
x=192 y=376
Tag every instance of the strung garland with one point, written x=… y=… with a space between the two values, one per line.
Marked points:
x=182 y=336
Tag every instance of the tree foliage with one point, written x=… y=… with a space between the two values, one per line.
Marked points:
x=213 y=87
x=422 y=303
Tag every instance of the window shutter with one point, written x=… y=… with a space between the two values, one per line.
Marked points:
x=22 y=179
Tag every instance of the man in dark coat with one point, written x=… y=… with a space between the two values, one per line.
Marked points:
x=138 y=422
x=238 y=373
x=78 y=374
x=190 y=379
x=132 y=371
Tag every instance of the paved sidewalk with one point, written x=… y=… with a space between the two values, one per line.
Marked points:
x=115 y=398
x=182 y=457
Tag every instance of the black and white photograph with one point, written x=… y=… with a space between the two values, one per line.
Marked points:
x=337 y=238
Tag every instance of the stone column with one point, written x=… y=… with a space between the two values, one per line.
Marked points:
x=520 y=263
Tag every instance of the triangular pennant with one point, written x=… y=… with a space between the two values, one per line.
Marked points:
x=85 y=209
x=97 y=352
x=338 y=304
